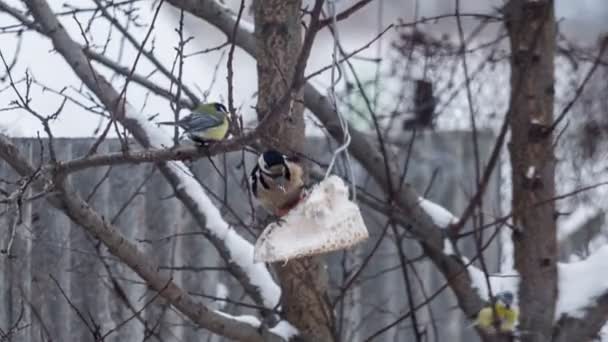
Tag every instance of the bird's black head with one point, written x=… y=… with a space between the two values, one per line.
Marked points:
x=271 y=158
x=220 y=107
x=506 y=297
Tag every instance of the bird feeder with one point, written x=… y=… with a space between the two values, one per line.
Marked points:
x=324 y=221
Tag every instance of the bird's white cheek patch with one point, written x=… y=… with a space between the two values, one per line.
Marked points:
x=325 y=221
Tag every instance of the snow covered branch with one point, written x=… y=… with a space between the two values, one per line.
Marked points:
x=181 y=153
x=441 y=217
x=581 y=283
x=70 y=203
x=575 y=222
x=582 y=304
x=256 y=279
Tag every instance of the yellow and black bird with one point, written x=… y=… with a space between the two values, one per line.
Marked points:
x=506 y=315
x=207 y=123
x=277 y=182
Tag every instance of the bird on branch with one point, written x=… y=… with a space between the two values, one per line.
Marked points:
x=207 y=123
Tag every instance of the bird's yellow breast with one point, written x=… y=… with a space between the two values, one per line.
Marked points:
x=507 y=318
x=215 y=133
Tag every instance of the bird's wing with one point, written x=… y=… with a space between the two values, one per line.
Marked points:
x=254 y=180
x=485 y=318
x=197 y=122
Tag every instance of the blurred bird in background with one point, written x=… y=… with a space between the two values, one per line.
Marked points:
x=277 y=182
x=506 y=315
x=207 y=123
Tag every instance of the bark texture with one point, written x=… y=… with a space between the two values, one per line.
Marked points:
x=531 y=27
x=278 y=36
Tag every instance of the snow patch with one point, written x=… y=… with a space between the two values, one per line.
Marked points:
x=575 y=221
x=507 y=263
x=580 y=283
x=247 y=319
x=499 y=282
x=441 y=216
x=448 y=247
x=221 y=293
x=531 y=172
x=285 y=330
x=157 y=137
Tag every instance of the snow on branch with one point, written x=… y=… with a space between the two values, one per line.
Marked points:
x=581 y=283
x=507 y=281
x=575 y=221
x=282 y=329
x=221 y=294
x=499 y=282
x=247 y=319
x=441 y=216
x=241 y=251
x=285 y=330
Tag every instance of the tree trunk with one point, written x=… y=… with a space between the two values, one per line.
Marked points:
x=278 y=41
x=531 y=27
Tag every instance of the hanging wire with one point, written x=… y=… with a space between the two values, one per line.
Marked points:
x=335 y=79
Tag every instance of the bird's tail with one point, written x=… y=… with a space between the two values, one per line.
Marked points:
x=170 y=123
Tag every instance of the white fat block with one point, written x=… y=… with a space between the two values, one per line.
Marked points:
x=325 y=221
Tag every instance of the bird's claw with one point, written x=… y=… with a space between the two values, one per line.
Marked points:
x=279 y=221
x=270 y=219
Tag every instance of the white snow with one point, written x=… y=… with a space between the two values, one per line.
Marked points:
x=507 y=263
x=575 y=221
x=248 y=319
x=499 y=282
x=448 y=247
x=597 y=242
x=604 y=333
x=580 y=283
x=284 y=330
x=241 y=251
x=440 y=215
x=531 y=172
x=221 y=293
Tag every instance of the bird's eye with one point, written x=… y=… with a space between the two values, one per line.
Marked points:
x=220 y=107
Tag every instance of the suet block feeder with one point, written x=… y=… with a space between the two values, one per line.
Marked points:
x=324 y=221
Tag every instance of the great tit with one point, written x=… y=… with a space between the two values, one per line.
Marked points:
x=207 y=123
x=277 y=182
x=507 y=315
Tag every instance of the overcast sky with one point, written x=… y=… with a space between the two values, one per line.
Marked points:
x=582 y=19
